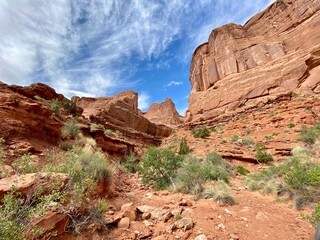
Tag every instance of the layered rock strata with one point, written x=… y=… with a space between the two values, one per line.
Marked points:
x=275 y=52
x=163 y=113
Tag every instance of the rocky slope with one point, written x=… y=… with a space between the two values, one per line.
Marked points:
x=28 y=123
x=163 y=113
x=25 y=123
x=121 y=110
x=274 y=53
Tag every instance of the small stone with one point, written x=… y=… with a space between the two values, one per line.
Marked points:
x=146 y=216
x=149 y=195
x=110 y=212
x=147 y=223
x=221 y=226
x=145 y=208
x=201 y=237
x=176 y=212
x=128 y=210
x=167 y=217
x=228 y=211
x=124 y=223
x=184 y=223
x=244 y=219
x=186 y=203
x=233 y=236
x=164 y=193
x=262 y=216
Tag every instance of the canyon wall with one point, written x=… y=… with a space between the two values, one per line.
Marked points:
x=276 y=52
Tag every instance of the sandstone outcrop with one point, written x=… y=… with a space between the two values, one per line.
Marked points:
x=121 y=110
x=275 y=52
x=24 y=121
x=37 y=89
x=163 y=113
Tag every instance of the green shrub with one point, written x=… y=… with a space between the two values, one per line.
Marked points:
x=291 y=125
x=130 y=164
x=261 y=154
x=1 y=150
x=315 y=218
x=66 y=145
x=235 y=138
x=193 y=173
x=16 y=212
x=311 y=134
x=220 y=192
x=109 y=132
x=298 y=177
x=160 y=166
x=242 y=170
x=24 y=164
x=190 y=177
x=118 y=133
x=55 y=106
x=249 y=131
x=97 y=126
x=85 y=167
x=71 y=130
x=247 y=142
x=202 y=132
x=68 y=106
x=184 y=148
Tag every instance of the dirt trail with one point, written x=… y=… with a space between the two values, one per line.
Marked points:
x=253 y=217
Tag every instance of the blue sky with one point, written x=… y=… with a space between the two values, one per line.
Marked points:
x=102 y=47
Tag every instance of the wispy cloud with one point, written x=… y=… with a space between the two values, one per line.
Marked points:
x=174 y=83
x=143 y=101
x=93 y=47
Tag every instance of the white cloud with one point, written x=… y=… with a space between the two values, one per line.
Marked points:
x=93 y=47
x=174 y=83
x=143 y=101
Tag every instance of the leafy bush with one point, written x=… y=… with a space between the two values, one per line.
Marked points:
x=242 y=170
x=220 y=192
x=24 y=164
x=247 y=142
x=71 y=130
x=66 y=145
x=160 y=166
x=109 y=132
x=16 y=212
x=184 y=148
x=1 y=150
x=190 y=177
x=130 y=164
x=68 y=106
x=311 y=134
x=193 y=173
x=55 y=106
x=85 y=167
x=298 y=177
x=202 y=132
x=291 y=125
x=261 y=154
x=235 y=138
x=315 y=218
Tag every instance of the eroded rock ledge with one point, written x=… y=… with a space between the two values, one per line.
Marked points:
x=275 y=52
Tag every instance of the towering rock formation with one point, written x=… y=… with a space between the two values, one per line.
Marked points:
x=275 y=52
x=163 y=113
x=121 y=110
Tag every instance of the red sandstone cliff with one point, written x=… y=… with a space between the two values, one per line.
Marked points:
x=275 y=52
x=163 y=113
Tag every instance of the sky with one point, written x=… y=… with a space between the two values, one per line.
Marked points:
x=99 y=48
